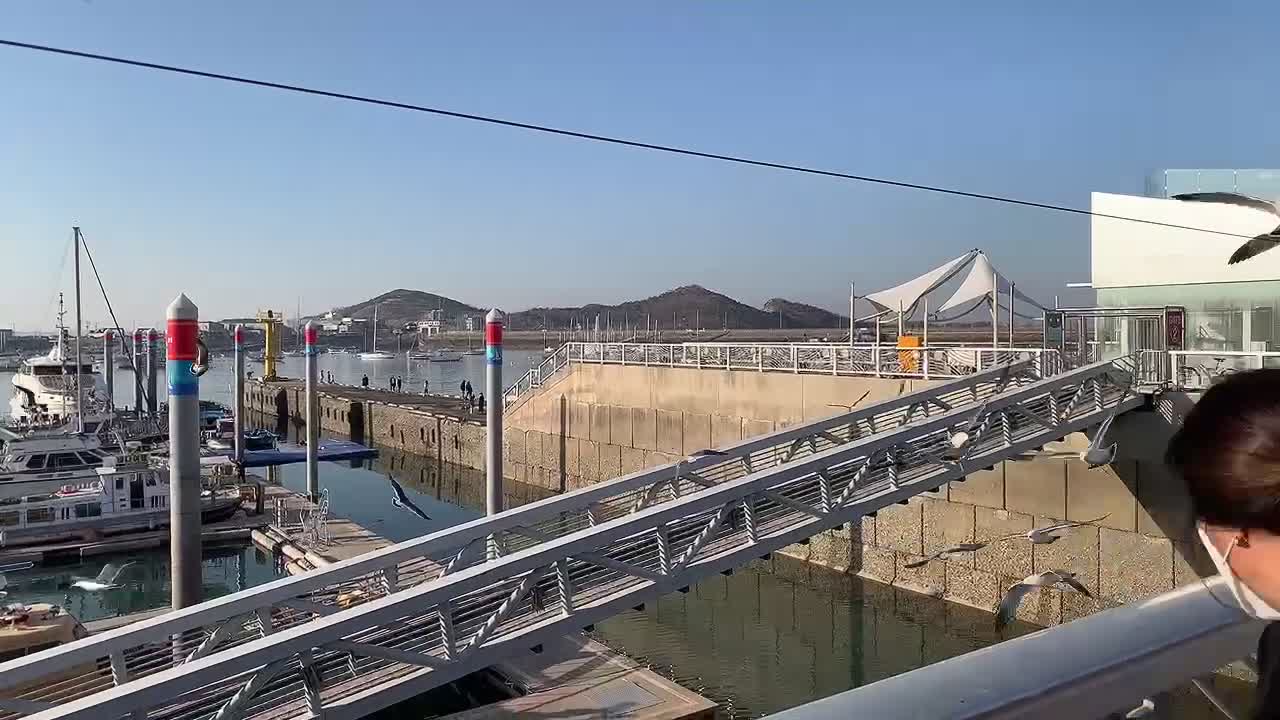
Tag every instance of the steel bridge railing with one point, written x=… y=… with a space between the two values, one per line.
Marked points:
x=1103 y=665
x=933 y=362
x=345 y=663
x=1200 y=369
x=129 y=653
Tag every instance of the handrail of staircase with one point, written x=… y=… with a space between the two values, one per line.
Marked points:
x=607 y=499
x=781 y=505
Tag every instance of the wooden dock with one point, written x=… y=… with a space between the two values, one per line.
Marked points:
x=584 y=679
x=235 y=530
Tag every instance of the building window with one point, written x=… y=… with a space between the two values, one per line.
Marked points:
x=39 y=515
x=10 y=518
x=87 y=510
x=36 y=462
x=119 y=482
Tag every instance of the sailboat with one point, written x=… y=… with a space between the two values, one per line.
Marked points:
x=376 y=354
x=471 y=350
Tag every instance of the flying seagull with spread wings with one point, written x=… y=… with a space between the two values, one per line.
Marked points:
x=1060 y=579
x=1260 y=243
x=401 y=500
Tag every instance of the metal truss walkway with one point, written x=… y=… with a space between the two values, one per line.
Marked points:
x=362 y=634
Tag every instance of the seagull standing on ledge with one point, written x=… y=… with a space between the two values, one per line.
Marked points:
x=1259 y=244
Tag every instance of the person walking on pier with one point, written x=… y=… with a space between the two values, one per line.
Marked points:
x=469 y=390
x=426 y=386
x=1227 y=453
x=480 y=403
x=462 y=388
x=364 y=381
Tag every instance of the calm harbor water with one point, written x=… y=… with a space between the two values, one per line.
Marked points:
x=143 y=586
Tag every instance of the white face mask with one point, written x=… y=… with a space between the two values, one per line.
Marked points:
x=1249 y=600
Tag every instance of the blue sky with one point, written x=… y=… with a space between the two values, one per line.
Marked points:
x=246 y=197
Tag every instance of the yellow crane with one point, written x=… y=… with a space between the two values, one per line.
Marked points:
x=270 y=322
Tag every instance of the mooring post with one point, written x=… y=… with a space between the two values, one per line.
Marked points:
x=313 y=413
x=181 y=321
x=493 y=418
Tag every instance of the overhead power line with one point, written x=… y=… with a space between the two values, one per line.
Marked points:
x=625 y=142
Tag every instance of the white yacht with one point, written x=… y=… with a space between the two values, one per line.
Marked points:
x=44 y=388
x=44 y=462
x=444 y=355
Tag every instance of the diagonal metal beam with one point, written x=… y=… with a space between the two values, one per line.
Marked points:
x=770 y=494
x=504 y=610
x=217 y=636
x=386 y=653
x=593 y=558
x=233 y=707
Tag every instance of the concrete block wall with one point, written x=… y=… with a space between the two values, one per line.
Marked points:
x=1140 y=542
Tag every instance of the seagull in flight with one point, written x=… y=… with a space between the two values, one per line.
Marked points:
x=946 y=552
x=961 y=438
x=1260 y=243
x=1050 y=533
x=1099 y=453
x=402 y=501
x=1060 y=579
x=108 y=579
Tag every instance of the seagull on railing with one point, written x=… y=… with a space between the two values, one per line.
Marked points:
x=401 y=500
x=107 y=579
x=946 y=553
x=1049 y=533
x=1258 y=244
x=1060 y=579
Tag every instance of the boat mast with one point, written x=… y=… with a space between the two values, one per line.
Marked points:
x=79 y=331
x=62 y=354
x=375 y=329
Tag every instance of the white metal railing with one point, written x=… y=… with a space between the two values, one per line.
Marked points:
x=364 y=633
x=933 y=362
x=1199 y=369
x=1103 y=665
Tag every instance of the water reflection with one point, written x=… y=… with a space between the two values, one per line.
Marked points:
x=780 y=634
x=144 y=586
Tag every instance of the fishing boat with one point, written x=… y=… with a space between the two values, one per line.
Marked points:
x=376 y=354
x=222 y=437
x=27 y=629
x=132 y=495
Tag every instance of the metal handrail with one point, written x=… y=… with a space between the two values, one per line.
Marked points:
x=554 y=517
x=1105 y=663
x=1199 y=369
x=407 y=641
x=868 y=360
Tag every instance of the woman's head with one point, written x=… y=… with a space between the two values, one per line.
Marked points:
x=1228 y=454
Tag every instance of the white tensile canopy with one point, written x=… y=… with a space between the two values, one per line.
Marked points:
x=982 y=286
x=904 y=298
x=979 y=283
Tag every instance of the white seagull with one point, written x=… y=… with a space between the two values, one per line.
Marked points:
x=1050 y=533
x=1145 y=709
x=1060 y=579
x=108 y=579
x=946 y=552
x=1260 y=243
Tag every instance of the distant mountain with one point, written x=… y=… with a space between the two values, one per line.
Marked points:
x=400 y=306
x=801 y=315
x=684 y=307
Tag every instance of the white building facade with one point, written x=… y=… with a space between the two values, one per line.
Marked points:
x=1179 y=257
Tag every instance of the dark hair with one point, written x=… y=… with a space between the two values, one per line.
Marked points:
x=1228 y=452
